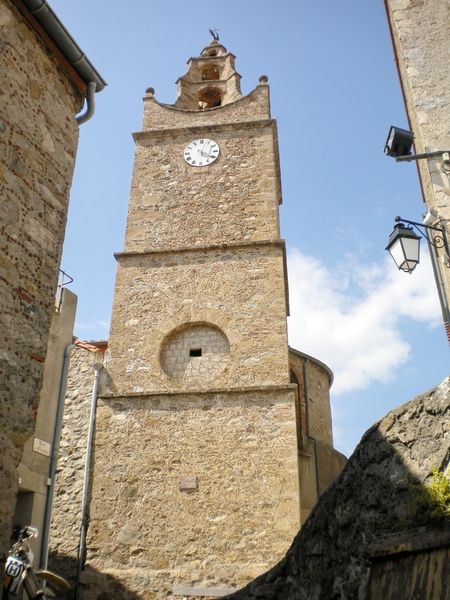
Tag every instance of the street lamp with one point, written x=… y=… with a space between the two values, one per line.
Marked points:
x=404 y=243
x=404 y=247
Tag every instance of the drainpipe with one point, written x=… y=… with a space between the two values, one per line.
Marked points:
x=40 y=16
x=90 y=103
x=97 y=366
x=43 y=560
x=308 y=432
x=440 y=289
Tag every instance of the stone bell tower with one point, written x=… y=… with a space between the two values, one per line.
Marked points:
x=196 y=483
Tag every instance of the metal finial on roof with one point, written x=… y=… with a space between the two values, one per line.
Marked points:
x=214 y=33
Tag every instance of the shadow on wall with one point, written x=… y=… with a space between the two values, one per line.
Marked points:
x=386 y=487
x=96 y=586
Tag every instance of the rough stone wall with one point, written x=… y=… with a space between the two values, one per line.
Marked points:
x=210 y=497
x=37 y=151
x=66 y=514
x=421 y=31
x=329 y=559
x=173 y=204
x=240 y=290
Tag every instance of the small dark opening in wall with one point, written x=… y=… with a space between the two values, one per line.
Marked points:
x=195 y=352
x=210 y=72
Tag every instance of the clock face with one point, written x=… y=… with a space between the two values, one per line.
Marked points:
x=200 y=153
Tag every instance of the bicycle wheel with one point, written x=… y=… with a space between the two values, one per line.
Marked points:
x=54 y=581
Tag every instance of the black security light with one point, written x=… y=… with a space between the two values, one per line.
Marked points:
x=399 y=142
x=399 y=145
x=404 y=243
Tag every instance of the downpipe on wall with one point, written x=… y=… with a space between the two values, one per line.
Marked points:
x=90 y=103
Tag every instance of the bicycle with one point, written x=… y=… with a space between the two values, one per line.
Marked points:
x=20 y=575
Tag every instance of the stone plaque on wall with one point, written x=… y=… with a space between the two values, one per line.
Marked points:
x=188 y=482
x=41 y=447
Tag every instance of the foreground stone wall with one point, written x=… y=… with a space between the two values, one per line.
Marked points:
x=329 y=559
x=38 y=142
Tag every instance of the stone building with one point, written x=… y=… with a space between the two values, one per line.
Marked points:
x=420 y=35
x=45 y=79
x=213 y=438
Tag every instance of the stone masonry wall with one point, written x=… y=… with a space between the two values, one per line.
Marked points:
x=66 y=514
x=199 y=489
x=240 y=290
x=173 y=204
x=421 y=31
x=38 y=141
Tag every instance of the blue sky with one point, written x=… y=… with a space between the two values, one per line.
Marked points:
x=335 y=93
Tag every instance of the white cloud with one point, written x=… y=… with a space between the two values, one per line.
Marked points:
x=351 y=319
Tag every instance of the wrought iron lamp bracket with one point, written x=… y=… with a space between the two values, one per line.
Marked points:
x=437 y=240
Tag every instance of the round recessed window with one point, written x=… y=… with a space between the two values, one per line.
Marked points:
x=195 y=353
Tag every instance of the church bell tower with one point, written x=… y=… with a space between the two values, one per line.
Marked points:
x=196 y=480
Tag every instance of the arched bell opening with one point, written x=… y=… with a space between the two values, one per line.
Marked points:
x=209 y=98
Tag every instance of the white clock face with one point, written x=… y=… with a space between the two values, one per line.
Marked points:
x=201 y=152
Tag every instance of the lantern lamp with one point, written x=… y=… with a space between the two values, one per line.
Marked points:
x=404 y=247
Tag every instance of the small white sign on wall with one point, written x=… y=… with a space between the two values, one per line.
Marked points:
x=41 y=447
